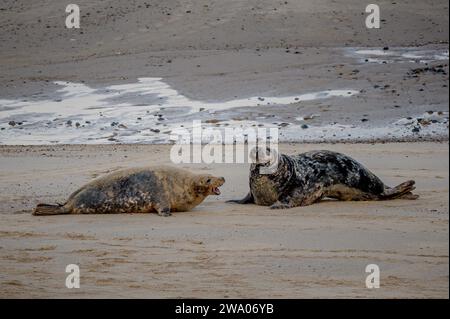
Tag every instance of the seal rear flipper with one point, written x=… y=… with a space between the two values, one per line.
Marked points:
x=47 y=209
x=410 y=196
x=404 y=190
x=246 y=200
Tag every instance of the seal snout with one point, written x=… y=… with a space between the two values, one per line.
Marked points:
x=215 y=183
x=215 y=187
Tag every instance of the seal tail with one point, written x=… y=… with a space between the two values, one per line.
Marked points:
x=46 y=209
x=404 y=191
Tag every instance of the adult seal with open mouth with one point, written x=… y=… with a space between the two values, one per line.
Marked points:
x=306 y=178
x=161 y=189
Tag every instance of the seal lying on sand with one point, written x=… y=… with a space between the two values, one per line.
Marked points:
x=306 y=178
x=140 y=190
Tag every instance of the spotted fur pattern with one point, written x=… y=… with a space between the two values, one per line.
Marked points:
x=306 y=178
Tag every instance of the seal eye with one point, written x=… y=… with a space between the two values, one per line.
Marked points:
x=208 y=181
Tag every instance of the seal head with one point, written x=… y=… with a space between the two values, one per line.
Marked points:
x=208 y=184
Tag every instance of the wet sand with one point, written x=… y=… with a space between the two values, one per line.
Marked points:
x=220 y=249
x=226 y=51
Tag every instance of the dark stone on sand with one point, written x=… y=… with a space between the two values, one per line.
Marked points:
x=12 y=123
x=434 y=69
x=304 y=126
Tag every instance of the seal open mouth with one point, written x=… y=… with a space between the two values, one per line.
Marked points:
x=216 y=190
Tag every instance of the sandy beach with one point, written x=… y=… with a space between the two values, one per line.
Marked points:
x=79 y=103
x=223 y=250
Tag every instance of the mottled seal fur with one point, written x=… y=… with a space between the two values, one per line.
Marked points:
x=306 y=178
x=139 y=190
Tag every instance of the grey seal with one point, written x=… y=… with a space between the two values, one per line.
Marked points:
x=161 y=189
x=306 y=178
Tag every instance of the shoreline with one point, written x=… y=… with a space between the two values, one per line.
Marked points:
x=326 y=95
x=437 y=140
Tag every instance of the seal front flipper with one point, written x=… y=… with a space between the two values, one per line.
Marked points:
x=299 y=197
x=163 y=211
x=281 y=205
x=47 y=209
x=291 y=199
x=246 y=200
x=162 y=207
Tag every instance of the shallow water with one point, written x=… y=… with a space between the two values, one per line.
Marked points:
x=127 y=113
x=147 y=111
x=397 y=55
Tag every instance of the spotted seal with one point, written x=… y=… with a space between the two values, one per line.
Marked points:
x=162 y=189
x=306 y=178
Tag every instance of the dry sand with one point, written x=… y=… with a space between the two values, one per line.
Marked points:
x=219 y=249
